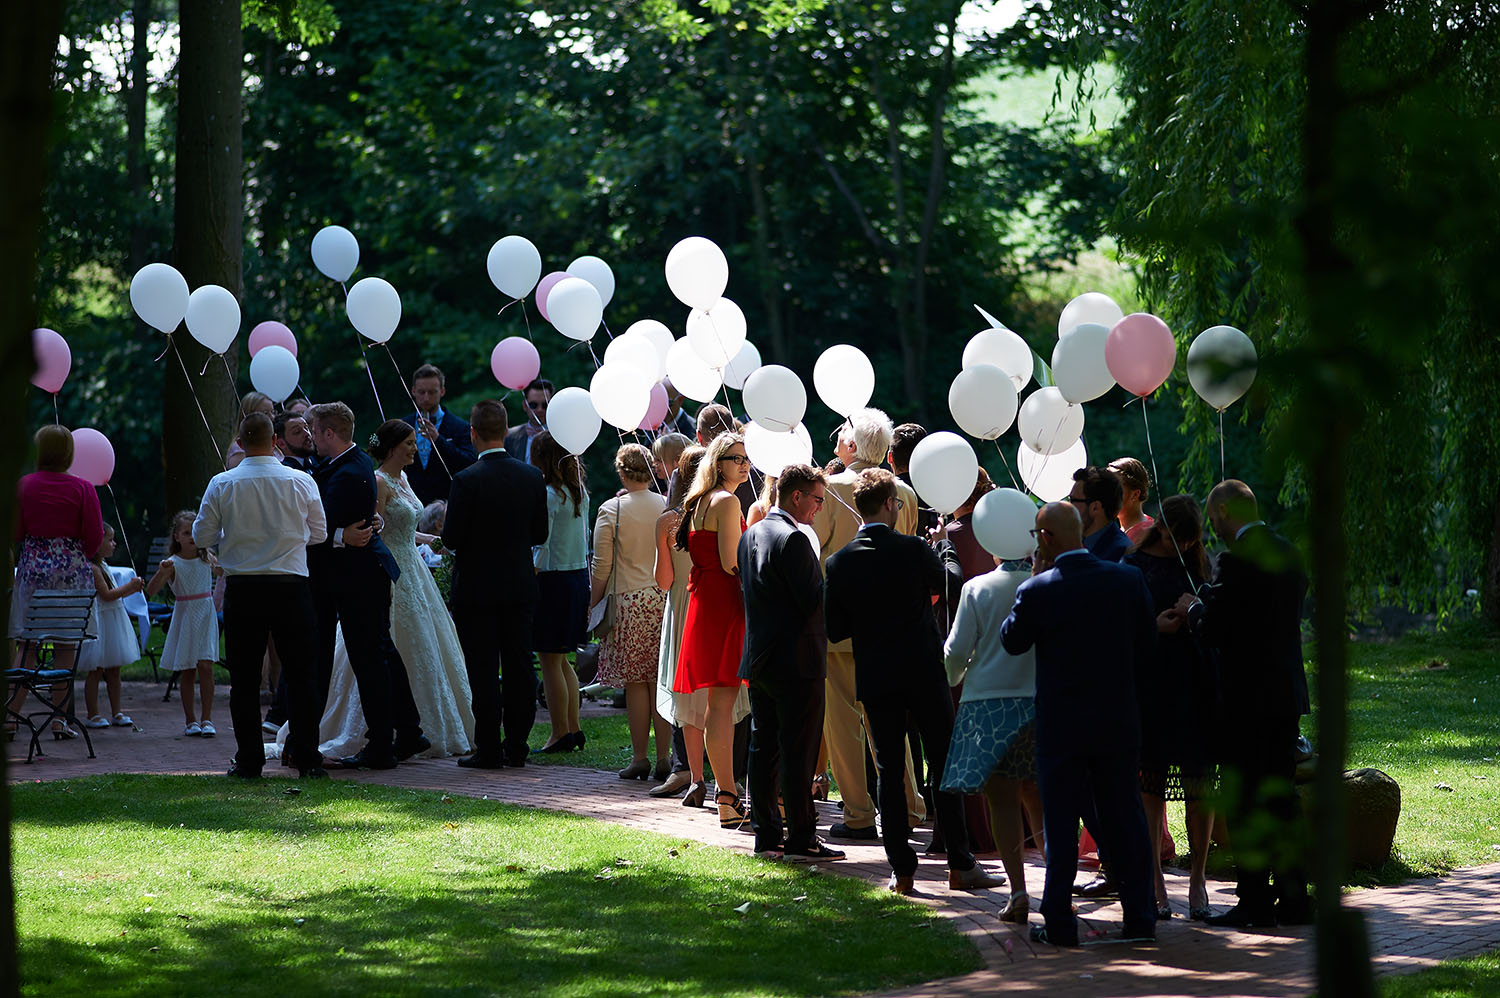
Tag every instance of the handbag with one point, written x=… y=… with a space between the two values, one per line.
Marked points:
x=602 y=621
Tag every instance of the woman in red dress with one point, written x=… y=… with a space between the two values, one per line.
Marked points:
x=714 y=631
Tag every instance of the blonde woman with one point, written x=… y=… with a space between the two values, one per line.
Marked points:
x=624 y=563
x=714 y=632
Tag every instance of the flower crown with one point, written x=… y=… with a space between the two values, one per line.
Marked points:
x=373 y=442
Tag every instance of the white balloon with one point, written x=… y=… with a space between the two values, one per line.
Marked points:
x=844 y=378
x=1003 y=520
x=572 y=420
x=1050 y=476
x=944 y=470
x=771 y=451
x=718 y=333
x=1078 y=365
x=697 y=272
x=374 y=308
x=515 y=265
x=744 y=364
x=1049 y=423
x=999 y=347
x=636 y=351
x=1091 y=306
x=1221 y=365
x=213 y=317
x=597 y=273
x=274 y=371
x=159 y=295
x=574 y=308
x=335 y=252
x=983 y=401
x=657 y=332
x=690 y=375
x=774 y=397
x=620 y=394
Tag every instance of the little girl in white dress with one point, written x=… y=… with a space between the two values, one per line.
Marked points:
x=115 y=642
x=192 y=645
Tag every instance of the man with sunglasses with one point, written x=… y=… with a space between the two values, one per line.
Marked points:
x=1091 y=623
x=518 y=440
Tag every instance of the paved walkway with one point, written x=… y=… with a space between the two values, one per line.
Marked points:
x=1410 y=927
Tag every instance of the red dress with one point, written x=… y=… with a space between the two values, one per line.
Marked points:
x=714 y=632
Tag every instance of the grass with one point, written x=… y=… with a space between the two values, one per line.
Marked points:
x=1471 y=978
x=178 y=885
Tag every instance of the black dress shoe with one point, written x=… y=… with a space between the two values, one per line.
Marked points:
x=406 y=749
x=1100 y=887
x=1298 y=912
x=840 y=830
x=1242 y=916
x=365 y=759
x=242 y=774
x=313 y=773
x=1039 y=934
x=480 y=761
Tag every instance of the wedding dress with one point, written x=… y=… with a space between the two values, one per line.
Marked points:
x=423 y=632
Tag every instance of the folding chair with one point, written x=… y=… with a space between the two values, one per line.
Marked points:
x=55 y=616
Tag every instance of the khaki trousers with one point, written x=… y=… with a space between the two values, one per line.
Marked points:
x=844 y=726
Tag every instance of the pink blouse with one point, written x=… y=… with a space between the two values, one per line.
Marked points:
x=54 y=504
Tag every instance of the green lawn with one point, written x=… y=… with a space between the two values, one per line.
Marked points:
x=1476 y=977
x=199 y=885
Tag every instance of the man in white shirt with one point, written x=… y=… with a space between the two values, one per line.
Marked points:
x=262 y=515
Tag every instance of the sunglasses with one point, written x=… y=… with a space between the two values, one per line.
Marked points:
x=536 y=405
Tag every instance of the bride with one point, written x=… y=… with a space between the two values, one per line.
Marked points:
x=421 y=626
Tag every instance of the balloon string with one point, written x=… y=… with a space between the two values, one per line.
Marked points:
x=1006 y=462
x=233 y=387
x=506 y=306
x=407 y=389
x=57 y=419
x=163 y=349
x=526 y=317
x=194 y=392
x=1051 y=445
x=124 y=539
x=365 y=358
x=1161 y=508
x=606 y=328
x=1222 y=474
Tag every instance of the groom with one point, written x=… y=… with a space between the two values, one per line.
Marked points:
x=352 y=572
x=497 y=511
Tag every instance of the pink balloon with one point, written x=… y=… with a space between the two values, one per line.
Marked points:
x=544 y=288
x=93 y=456
x=1140 y=353
x=656 y=410
x=53 y=360
x=515 y=362
x=272 y=333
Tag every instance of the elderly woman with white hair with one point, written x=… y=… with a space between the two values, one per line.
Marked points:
x=863 y=442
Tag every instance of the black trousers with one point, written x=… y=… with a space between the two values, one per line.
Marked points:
x=786 y=726
x=497 y=642
x=362 y=605
x=1266 y=830
x=927 y=703
x=257 y=606
x=1105 y=784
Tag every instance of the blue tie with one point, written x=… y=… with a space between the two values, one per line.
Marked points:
x=424 y=446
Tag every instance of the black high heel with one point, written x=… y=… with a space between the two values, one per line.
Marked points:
x=563 y=744
x=577 y=739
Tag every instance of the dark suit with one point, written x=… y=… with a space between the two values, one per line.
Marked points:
x=352 y=586
x=515 y=442
x=1252 y=615
x=1108 y=543
x=784 y=660
x=879 y=593
x=497 y=511
x=451 y=453
x=1091 y=622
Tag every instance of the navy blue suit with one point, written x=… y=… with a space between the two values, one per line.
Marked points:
x=451 y=453
x=1091 y=623
x=1108 y=543
x=352 y=586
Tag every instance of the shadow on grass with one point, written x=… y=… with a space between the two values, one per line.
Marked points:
x=361 y=890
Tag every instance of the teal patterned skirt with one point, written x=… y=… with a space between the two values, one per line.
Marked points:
x=991 y=737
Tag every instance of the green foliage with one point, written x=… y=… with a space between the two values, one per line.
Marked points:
x=309 y=22
x=191 y=885
x=1395 y=336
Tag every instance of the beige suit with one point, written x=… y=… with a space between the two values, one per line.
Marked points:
x=843 y=716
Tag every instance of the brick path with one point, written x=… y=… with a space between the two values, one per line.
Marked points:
x=1410 y=927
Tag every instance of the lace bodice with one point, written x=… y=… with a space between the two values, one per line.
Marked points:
x=402 y=510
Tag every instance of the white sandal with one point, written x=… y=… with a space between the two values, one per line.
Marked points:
x=97 y=721
x=123 y=721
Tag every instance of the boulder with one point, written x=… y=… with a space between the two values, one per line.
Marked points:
x=1372 y=806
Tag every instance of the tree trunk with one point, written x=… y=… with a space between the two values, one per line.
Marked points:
x=137 y=176
x=28 y=38
x=1489 y=595
x=1343 y=957
x=208 y=217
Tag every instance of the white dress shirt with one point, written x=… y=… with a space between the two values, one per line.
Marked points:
x=262 y=515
